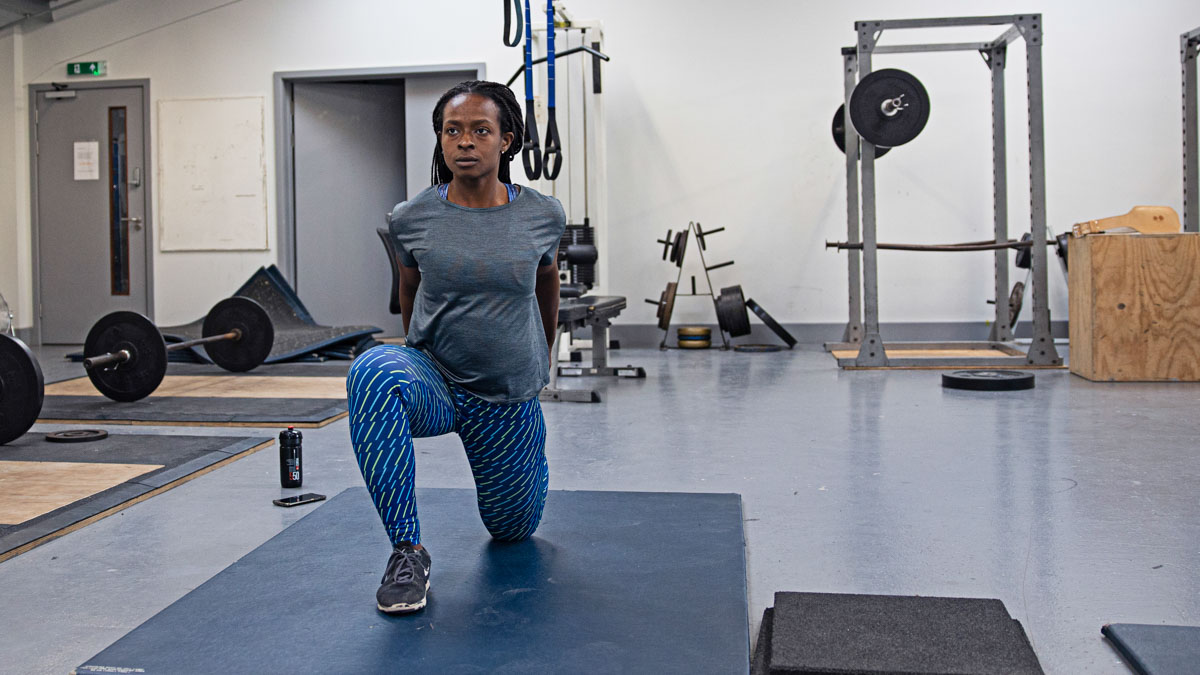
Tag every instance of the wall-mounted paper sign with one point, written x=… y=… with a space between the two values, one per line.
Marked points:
x=87 y=160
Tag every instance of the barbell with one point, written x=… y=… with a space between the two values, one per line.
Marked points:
x=128 y=355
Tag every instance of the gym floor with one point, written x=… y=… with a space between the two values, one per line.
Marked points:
x=1074 y=503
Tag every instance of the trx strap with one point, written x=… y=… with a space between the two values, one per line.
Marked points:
x=553 y=158
x=516 y=35
x=531 y=155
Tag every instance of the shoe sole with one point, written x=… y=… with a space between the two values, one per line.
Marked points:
x=404 y=607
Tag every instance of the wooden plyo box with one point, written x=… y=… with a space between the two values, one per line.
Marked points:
x=1135 y=307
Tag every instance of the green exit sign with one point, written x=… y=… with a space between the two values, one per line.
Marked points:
x=93 y=68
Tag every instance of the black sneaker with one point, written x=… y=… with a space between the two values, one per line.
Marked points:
x=405 y=582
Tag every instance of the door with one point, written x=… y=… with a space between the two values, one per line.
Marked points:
x=91 y=204
x=349 y=164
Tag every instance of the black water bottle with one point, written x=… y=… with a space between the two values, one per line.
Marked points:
x=289 y=458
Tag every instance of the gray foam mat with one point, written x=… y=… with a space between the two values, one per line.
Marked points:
x=849 y=633
x=180 y=456
x=194 y=410
x=1156 y=650
x=613 y=582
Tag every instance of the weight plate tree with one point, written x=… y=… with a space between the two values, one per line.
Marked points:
x=839 y=132
x=889 y=107
x=21 y=389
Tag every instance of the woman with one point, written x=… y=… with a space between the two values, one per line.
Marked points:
x=479 y=298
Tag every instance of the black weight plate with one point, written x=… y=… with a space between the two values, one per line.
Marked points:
x=870 y=120
x=21 y=389
x=757 y=349
x=988 y=380
x=667 y=306
x=138 y=377
x=839 y=132
x=1024 y=257
x=77 y=436
x=258 y=334
x=731 y=312
x=771 y=323
x=1062 y=248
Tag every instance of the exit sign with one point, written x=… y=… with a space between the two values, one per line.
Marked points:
x=94 y=68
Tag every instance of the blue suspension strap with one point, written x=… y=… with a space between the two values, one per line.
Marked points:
x=531 y=155
x=553 y=159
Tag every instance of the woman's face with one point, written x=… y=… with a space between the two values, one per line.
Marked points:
x=471 y=138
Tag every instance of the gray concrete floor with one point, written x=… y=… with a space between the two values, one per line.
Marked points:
x=1075 y=503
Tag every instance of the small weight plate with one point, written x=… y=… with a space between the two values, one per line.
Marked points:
x=681 y=241
x=697 y=331
x=988 y=380
x=757 y=349
x=77 y=436
x=258 y=334
x=21 y=389
x=1015 y=300
x=694 y=344
x=873 y=123
x=731 y=312
x=839 y=132
x=667 y=306
x=138 y=377
x=771 y=323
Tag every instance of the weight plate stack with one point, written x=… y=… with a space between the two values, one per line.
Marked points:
x=988 y=380
x=731 y=312
x=138 y=376
x=694 y=337
x=875 y=121
x=21 y=389
x=257 y=334
x=839 y=132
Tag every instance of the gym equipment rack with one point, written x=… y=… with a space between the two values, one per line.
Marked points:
x=862 y=329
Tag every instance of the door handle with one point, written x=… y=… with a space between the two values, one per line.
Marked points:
x=136 y=222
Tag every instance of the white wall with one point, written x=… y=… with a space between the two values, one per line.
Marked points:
x=715 y=112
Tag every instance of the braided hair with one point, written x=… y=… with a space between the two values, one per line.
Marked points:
x=510 y=121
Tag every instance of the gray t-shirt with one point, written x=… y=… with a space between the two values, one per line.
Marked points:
x=476 y=313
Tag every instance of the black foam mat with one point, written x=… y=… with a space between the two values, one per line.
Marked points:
x=613 y=582
x=1156 y=650
x=194 y=410
x=297 y=333
x=180 y=456
x=849 y=633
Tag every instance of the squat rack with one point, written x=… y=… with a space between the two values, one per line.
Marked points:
x=1189 y=52
x=862 y=329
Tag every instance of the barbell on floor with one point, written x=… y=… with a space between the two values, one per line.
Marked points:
x=21 y=388
x=126 y=355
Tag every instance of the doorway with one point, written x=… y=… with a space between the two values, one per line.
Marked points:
x=350 y=145
x=90 y=193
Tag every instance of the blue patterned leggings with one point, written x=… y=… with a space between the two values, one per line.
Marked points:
x=396 y=394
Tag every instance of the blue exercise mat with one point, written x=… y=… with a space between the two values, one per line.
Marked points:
x=613 y=582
